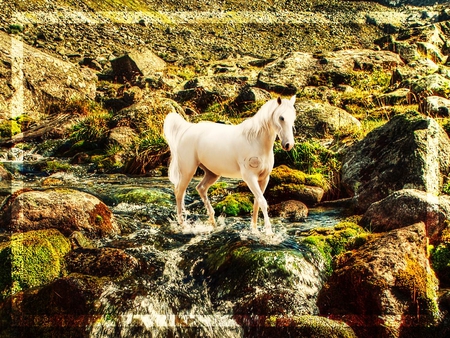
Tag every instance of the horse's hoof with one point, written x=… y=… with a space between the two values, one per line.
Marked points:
x=269 y=232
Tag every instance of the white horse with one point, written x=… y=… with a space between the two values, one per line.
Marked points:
x=235 y=151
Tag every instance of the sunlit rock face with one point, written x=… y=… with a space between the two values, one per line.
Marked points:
x=408 y=152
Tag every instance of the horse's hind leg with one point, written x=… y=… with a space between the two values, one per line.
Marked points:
x=180 y=193
x=209 y=179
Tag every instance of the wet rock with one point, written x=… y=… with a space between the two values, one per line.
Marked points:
x=260 y=280
x=64 y=209
x=5 y=180
x=31 y=259
x=408 y=152
x=321 y=120
x=294 y=211
x=297 y=326
x=65 y=307
x=385 y=286
x=101 y=262
x=409 y=206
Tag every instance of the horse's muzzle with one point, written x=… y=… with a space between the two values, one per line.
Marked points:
x=288 y=146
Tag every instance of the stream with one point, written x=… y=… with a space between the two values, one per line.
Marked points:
x=172 y=300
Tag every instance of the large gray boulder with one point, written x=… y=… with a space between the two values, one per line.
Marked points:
x=30 y=80
x=410 y=151
x=295 y=70
x=408 y=206
x=316 y=119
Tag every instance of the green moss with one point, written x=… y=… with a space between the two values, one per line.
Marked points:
x=331 y=242
x=421 y=286
x=311 y=326
x=9 y=128
x=285 y=175
x=55 y=166
x=235 y=204
x=31 y=259
x=440 y=261
x=144 y=196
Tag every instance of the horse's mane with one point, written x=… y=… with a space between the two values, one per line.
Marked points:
x=260 y=122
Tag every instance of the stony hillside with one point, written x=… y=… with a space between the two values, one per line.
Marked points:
x=182 y=31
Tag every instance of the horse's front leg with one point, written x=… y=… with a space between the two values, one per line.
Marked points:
x=257 y=187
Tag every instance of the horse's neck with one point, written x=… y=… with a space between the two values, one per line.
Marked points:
x=259 y=129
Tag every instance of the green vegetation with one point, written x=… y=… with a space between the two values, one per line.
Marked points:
x=321 y=164
x=440 y=261
x=15 y=28
x=144 y=196
x=235 y=204
x=331 y=242
x=31 y=259
x=310 y=326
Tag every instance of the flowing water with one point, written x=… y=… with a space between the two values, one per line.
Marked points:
x=168 y=301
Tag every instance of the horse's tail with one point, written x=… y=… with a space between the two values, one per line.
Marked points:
x=174 y=128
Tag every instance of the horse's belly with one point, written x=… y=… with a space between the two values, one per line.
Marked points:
x=222 y=168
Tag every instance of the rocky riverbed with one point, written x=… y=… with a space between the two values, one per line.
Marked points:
x=88 y=242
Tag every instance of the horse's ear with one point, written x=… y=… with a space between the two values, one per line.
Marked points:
x=292 y=100
x=279 y=100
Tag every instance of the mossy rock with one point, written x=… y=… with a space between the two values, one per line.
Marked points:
x=31 y=259
x=440 y=261
x=291 y=184
x=305 y=326
x=285 y=175
x=235 y=204
x=144 y=196
x=258 y=279
x=333 y=241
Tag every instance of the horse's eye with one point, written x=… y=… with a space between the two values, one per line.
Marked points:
x=281 y=118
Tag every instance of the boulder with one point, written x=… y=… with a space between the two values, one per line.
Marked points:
x=144 y=62
x=401 y=96
x=290 y=73
x=294 y=211
x=258 y=279
x=34 y=80
x=409 y=151
x=409 y=206
x=122 y=136
x=65 y=307
x=320 y=120
x=31 y=259
x=102 y=262
x=435 y=106
x=64 y=209
x=434 y=84
x=249 y=95
x=385 y=286
x=291 y=184
x=203 y=91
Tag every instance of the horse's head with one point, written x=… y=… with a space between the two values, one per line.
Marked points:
x=284 y=117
